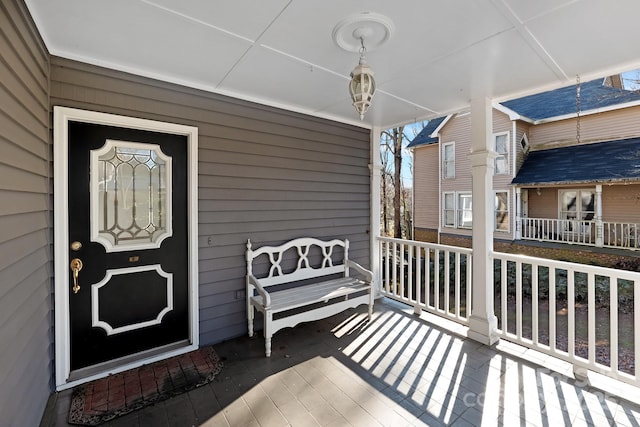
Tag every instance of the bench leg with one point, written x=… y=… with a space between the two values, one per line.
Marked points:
x=251 y=311
x=371 y=299
x=268 y=317
x=267 y=347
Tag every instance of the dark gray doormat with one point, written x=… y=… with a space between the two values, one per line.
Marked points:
x=105 y=399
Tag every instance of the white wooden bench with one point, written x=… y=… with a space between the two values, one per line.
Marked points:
x=316 y=284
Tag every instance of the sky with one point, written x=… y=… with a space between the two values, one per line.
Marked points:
x=631 y=80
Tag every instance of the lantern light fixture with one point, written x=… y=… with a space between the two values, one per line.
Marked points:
x=362 y=32
x=362 y=86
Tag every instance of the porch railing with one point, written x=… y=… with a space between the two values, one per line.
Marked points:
x=430 y=277
x=621 y=235
x=613 y=234
x=583 y=314
x=559 y=230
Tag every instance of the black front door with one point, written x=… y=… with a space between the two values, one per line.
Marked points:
x=128 y=235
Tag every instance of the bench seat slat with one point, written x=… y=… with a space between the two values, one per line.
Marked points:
x=300 y=296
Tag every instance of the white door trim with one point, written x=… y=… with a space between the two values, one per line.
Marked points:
x=61 y=117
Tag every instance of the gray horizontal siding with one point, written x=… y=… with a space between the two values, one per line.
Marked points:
x=25 y=233
x=265 y=174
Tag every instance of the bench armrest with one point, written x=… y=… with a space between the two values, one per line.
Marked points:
x=360 y=269
x=266 y=298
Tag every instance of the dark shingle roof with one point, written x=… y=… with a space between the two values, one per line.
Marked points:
x=423 y=137
x=554 y=103
x=587 y=163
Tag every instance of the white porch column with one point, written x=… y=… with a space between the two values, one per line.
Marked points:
x=375 y=168
x=482 y=323
x=599 y=225
x=518 y=213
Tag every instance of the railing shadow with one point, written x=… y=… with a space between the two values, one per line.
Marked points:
x=443 y=379
x=397 y=369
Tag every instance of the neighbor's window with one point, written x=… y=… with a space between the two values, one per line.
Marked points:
x=502 y=211
x=465 y=218
x=501 y=147
x=449 y=211
x=448 y=160
x=577 y=204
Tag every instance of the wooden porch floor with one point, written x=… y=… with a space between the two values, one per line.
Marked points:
x=397 y=370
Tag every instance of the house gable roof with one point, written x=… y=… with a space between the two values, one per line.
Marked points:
x=610 y=161
x=560 y=102
x=424 y=137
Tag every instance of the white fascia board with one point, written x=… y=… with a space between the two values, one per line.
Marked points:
x=512 y=114
x=434 y=134
x=588 y=112
x=437 y=130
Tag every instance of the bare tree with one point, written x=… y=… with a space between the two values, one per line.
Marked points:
x=392 y=140
x=393 y=155
x=387 y=185
x=398 y=137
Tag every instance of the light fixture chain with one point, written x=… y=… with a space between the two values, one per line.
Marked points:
x=363 y=50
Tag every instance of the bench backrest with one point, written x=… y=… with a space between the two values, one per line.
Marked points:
x=304 y=269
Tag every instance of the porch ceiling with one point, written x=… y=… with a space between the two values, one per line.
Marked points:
x=281 y=52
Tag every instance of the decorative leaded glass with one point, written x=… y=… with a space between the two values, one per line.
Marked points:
x=130 y=196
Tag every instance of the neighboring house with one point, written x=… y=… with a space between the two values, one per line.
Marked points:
x=549 y=186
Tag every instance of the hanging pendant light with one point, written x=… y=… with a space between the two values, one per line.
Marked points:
x=362 y=86
x=351 y=34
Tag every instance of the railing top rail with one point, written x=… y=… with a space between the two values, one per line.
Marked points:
x=535 y=219
x=558 y=219
x=564 y=265
x=458 y=249
x=621 y=223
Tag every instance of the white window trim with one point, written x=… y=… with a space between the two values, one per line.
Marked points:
x=458 y=208
x=455 y=211
x=495 y=224
x=444 y=147
x=507 y=155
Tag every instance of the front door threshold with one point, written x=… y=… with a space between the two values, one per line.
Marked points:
x=115 y=366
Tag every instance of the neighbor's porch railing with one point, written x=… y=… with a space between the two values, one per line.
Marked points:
x=583 y=314
x=559 y=230
x=429 y=277
x=621 y=235
x=614 y=234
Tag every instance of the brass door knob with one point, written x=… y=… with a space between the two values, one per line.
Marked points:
x=76 y=266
